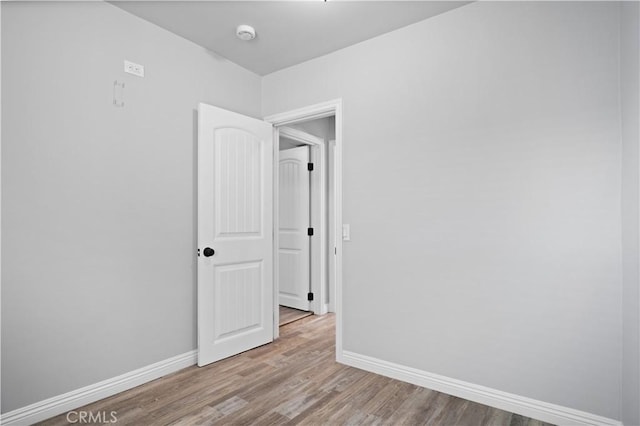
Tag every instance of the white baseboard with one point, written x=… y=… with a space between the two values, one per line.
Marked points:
x=528 y=407
x=62 y=403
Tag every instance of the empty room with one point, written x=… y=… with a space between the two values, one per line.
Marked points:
x=320 y=212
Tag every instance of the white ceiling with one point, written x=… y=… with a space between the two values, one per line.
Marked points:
x=288 y=32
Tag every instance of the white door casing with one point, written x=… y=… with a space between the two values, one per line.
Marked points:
x=312 y=112
x=331 y=225
x=294 y=204
x=235 y=220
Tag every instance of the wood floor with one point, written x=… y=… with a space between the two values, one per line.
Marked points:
x=294 y=380
x=289 y=315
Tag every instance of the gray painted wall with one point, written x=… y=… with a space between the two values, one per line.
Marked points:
x=496 y=158
x=98 y=220
x=288 y=144
x=629 y=88
x=482 y=177
x=324 y=128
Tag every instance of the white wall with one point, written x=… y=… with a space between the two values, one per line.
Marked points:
x=288 y=144
x=98 y=220
x=323 y=128
x=482 y=179
x=629 y=88
x=0 y=199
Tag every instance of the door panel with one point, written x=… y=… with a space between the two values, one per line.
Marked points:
x=238 y=194
x=293 y=253
x=235 y=302
x=238 y=283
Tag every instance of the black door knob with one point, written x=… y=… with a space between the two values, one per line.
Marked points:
x=208 y=252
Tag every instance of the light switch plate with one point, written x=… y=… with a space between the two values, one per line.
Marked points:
x=346 y=232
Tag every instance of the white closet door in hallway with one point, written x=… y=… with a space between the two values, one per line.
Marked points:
x=293 y=253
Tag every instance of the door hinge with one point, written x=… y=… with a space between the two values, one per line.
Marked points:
x=310 y=297
x=310 y=167
x=310 y=232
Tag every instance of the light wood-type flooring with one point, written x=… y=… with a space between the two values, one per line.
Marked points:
x=294 y=380
x=289 y=315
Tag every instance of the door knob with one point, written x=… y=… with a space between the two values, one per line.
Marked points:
x=208 y=252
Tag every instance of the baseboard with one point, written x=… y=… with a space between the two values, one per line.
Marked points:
x=528 y=407
x=62 y=403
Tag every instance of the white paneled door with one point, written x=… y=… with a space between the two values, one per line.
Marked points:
x=235 y=233
x=293 y=253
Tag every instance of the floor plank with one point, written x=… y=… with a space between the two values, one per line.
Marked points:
x=289 y=315
x=294 y=380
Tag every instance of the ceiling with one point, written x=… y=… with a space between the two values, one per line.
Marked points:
x=288 y=32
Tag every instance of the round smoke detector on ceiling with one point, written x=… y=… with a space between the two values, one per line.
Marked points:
x=245 y=32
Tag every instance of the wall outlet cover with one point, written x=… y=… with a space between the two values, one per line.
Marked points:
x=133 y=68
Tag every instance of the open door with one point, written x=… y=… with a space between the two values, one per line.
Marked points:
x=235 y=233
x=294 y=244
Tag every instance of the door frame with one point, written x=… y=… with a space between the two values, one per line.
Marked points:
x=318 y=194
x=311 y=112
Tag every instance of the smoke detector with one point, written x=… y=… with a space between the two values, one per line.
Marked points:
x=245 y=32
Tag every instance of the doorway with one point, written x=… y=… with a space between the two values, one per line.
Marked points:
x=303 y=229
x=238 y=172
x=326 y=204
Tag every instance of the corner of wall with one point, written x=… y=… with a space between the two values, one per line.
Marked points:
x=629 y=60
